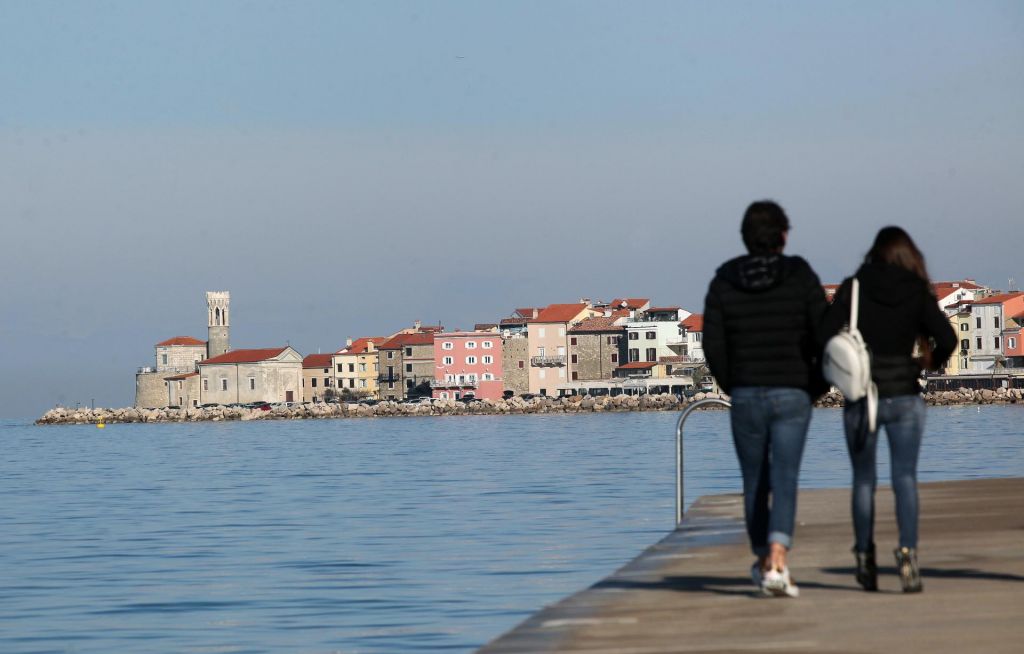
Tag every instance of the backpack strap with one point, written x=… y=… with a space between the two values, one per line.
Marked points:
x=854 y=304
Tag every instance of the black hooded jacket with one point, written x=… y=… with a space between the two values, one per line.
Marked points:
x=762 y=323
x=896 y=307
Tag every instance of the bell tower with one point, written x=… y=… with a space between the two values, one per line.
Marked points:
x=218 y=325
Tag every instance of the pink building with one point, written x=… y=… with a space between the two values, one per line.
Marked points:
x=467 y=364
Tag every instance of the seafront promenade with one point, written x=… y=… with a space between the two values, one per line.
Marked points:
x=690 y=592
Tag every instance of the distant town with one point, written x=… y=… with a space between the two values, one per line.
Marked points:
x=589 y=347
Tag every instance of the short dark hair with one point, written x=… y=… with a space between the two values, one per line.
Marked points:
x=764 y=223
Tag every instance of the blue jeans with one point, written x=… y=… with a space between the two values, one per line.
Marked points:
x=769 y=429
x=903 y=419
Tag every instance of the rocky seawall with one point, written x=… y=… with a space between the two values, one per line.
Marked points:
x=516 y=405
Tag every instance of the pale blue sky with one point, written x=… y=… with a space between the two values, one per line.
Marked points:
x=342 y=167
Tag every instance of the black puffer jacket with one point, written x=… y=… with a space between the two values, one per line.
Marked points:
x=896 y=307
x=762 y=323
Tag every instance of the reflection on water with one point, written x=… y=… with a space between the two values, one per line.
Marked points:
x=365 y=535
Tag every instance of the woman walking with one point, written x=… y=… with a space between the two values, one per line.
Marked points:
x=906 y=332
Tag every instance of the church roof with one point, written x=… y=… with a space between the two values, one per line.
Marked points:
x=246 y=356
x=181 y=340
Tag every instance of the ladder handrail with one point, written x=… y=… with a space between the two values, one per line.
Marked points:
x=679 y=448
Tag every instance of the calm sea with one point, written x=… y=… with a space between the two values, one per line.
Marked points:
x=374 y=535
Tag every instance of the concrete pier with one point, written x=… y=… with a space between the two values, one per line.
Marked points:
x=691 y=592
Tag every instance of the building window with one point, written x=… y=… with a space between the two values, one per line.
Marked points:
x=351 y=367
x=444 y=395
x=408 y=351
x=1011 y=343
x=979 y=342
x=206 y=384
x=615 y=357
x=612 y=340
x=634 y=354
x=965 y=327
x=470 y=345
x=996 y=342
x=391 y=354
x=575 y=358
x=561 y=331
x=391 y=372
x=362 y=383
x=965 y=344
x=408 y=367
x=978 y=320
x=541 y=331
x=522 y=364
x=252 y=383
x=487 y=345
x=572 y=340
x=179 y=384
x=340 y=368
x=995 y=322
x=634 y=336
x=652 y=354
x=327 y=382
x=351 y=383
x=651 y=335
x=488 y=359
x=362 y=367
x=575 y=375
x=163 y=357
x=223 y=384
x=488 y=376
x=448 y=361
x=408 y=383
x=543 y=373
x=470 y=361
x=447 y=345
x=391 y=384
x=696 y=337
x=312 y=382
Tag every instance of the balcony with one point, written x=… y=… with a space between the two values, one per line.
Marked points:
x=145 y=369
x=453 y=383
x=545 y=361
x=396 y=377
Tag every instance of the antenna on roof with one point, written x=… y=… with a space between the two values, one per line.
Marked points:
x=1012 y=285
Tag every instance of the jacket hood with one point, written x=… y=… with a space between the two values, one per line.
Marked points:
x=756 y=273
x=889 y=285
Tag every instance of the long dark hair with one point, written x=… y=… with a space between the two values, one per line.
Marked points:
x=894 y=246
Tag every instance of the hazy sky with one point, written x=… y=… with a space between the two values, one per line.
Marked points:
x=346 y=168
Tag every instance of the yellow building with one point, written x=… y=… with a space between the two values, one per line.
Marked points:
x=355 y=366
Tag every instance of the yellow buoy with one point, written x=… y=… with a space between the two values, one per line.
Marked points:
x=100 y=425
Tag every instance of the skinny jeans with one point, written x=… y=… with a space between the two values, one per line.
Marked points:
x=903 y=419
x=769 y=430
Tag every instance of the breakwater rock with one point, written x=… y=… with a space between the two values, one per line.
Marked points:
x=515 y=405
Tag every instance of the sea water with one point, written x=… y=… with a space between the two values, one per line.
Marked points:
x=367 y=535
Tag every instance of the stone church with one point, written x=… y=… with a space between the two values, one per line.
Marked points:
x=177 y=359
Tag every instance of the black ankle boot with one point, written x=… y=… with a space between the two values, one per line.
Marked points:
x=906 y=564
x=867 y=569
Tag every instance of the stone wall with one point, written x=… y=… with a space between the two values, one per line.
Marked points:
x=150 y=390
x=515 y=349
x=594 y=357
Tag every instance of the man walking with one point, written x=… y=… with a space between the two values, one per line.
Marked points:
x=762 y=320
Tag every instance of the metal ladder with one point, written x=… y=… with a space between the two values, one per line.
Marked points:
x=679 y=449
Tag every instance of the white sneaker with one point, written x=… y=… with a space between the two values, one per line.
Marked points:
x=778 y=583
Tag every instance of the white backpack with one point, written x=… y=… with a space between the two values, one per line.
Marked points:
x=846 y=363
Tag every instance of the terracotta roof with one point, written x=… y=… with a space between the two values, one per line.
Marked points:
x=182 y=340
x=597 y=324
x=694 y=322
x=317 y=361
x=515 y=321
x=638 y=365
x=484 y=326
x=401 y=340
x=246 y=356
x=560 y=312
x=179 y=377
x=527 y=312
x=360 y=345
x=662 y=309
x=631 y=302
x=999 y=299
x=676 y=358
